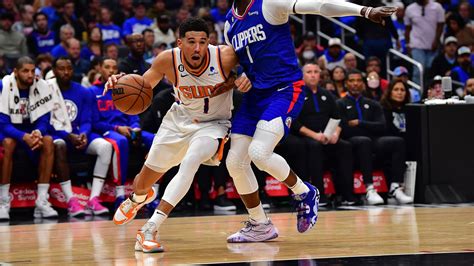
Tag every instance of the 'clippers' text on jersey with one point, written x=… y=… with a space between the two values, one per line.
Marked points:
x=244 y=38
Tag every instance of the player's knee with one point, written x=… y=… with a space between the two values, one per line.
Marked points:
x=259 y=154
x=105 y=152
x=9 y=146
x=235 y=163
x=60 y=147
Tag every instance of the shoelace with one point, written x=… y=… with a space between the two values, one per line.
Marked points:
x=126 y=205
x=148 y=229
x=248 y=226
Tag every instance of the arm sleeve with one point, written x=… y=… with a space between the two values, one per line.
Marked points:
x=9 y=130
x=86 y=115
x=276 y=12
x=378 y=125
x=127 y=28
x=134 y=121
x=42 y=123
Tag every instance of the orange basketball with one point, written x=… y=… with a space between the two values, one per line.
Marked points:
x=131 y=95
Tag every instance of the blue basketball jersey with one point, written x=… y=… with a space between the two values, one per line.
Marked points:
x=265 y=51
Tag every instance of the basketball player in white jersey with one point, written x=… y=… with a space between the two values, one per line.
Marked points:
x=190 y=132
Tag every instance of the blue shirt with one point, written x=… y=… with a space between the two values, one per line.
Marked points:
x=79 y=104
x=105 y=116
x=265 y=51
x=134 y=25
x=17 y=131
x=43 y=43
x=58 y=51
x=111 y=33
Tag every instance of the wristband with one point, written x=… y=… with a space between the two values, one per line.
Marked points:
x=367 y=12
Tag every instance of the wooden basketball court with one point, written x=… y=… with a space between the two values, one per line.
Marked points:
x=199 y=240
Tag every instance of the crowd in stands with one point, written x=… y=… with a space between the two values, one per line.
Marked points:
x=73 y=47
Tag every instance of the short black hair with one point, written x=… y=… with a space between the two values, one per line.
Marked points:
x=193 y=24
x=146 y=30
x=374 y=58
x=24 y=60
x=55 y=62
x=354 y=72
x=37 y=14
x=102 y=60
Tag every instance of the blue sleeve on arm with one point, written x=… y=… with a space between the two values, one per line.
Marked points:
x=9 y=130
x=42 y=123
x=86 y=114
x=134 y=121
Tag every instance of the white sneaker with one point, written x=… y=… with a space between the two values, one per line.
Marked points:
x=5 y=209
x=373 y=198
x=43 y=209
x=397 y=193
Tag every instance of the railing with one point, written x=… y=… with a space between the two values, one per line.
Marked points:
x=415 y=63
x=344 y=28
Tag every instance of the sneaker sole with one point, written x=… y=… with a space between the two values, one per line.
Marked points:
x=275 y=235
x=140 y=247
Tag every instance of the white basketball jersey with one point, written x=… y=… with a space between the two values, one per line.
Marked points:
x=194 y=90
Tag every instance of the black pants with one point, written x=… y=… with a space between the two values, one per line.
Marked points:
x=340 y=156
x=388 y=149
x=293 y=149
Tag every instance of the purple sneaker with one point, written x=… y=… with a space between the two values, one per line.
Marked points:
x=307 y=208
x=254 y=232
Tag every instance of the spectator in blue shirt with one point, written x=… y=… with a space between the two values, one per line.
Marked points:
x=41 y=40
x=219 y=12
x=139 y=22
x=111 y=33
x=94 y=45
x=66 y=32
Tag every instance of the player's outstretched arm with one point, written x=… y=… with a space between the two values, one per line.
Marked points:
x=277 y=9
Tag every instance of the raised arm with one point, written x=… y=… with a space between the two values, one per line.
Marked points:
x=277 y=11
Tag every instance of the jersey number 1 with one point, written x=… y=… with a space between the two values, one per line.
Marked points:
x=206 y=105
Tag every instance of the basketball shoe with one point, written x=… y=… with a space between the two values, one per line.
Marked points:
x=74 y=207
x=5 y=208
x=95 y=208
x=373 y=198
x=254 y=232
x=307 y=208
x=146 y=239
x=396 y=192
x=128 y=209
x=43 y=209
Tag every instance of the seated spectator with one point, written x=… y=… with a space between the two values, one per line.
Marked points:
x=373 y=90
x=457 y=27
x=180 y=16
x=350 y=62
x=393 y=102
x=317 y=110
x=44 y=62
x=122 y=12
x=219 y=12
x=118 y=128
x=435 y=90
x=4 y=69
x=373 y=64
x=9 y=6
x=71 y=131
x=68 y=16
x=41 y=40
x=134 y=62
x=159 y=9
x=309 y=50
x=333 y=56
x=328 y=85
x=81 y=66
x=338 y=75
x=66 y=32
x=12 y=43
x=163 y=31
x=364 y=125
x=445 y=61
x=93 y=48
x=149 y=40
x=111 y=33
x=25 y=25
x=402 y=73
x=111 y=51
x=469 y=88
x=464 y=70
x=464 y=10
x=24 y=119
x=93 y=74
x=52 y=10
x=157 y=49
x=139 y=22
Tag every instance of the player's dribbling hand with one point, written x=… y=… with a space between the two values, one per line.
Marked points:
x=377 y=14
x=243 y=83
x=111 y=82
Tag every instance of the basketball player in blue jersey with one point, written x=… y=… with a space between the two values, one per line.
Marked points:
x=259 y=32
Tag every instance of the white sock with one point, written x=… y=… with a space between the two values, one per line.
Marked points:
x=258 y=214
x=4 y=191
x=120 y=191
x=43 y=191
x=158 y=218
x=67 y=189
x=300 y=187
x=97 y=185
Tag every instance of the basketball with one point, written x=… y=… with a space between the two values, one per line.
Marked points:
x=131 y=95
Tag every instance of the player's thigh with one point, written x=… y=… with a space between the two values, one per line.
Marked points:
x=163 y=156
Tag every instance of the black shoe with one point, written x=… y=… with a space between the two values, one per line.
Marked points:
x=223 y=204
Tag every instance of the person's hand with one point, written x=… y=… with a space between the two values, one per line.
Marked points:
x=353 y=123
x=83 y=141
x=112 y=82
x=334 y=138
x=32 y=141
x=225 y=86
x=378 y=14
x=243 y=83
x=74 y=139
x=320 y=137
x=124 y=130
